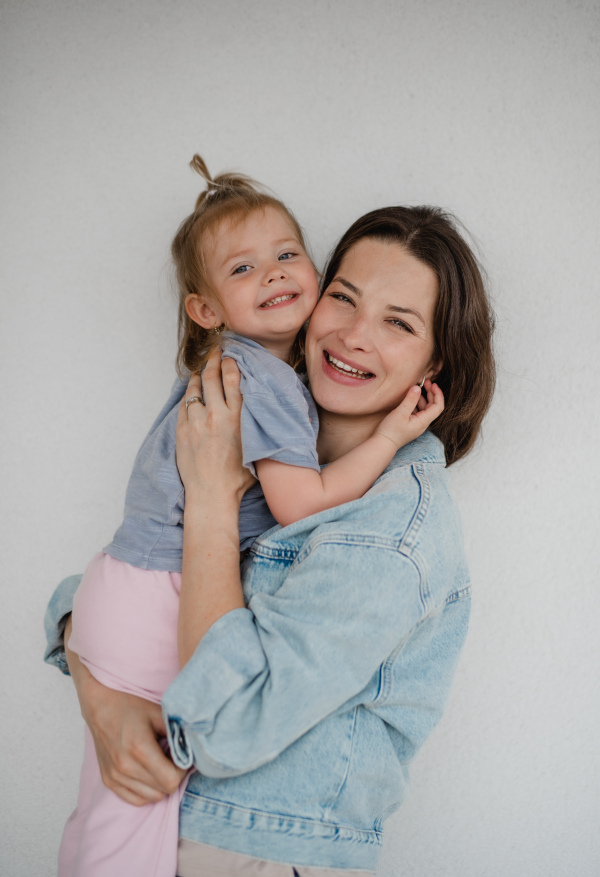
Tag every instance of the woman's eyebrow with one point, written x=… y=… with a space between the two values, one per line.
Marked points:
x=347 y=284
x=395 y=308
x=399 y=310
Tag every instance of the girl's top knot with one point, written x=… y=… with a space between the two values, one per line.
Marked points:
x=225 y=185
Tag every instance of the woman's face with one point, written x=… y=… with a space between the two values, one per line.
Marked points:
x=370 y=337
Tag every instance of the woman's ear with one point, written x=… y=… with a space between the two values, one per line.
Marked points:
x=202 y=311
x=434 y=369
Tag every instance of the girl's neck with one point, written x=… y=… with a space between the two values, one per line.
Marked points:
x=340 y=433
x=280 y=349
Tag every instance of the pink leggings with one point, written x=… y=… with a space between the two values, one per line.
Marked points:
x=125 y=632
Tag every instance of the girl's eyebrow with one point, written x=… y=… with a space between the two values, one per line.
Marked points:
x=242 y=253
x=395 y=308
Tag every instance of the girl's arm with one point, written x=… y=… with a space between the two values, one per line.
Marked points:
x=295 y=492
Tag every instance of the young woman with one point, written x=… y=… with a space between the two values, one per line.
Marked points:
x=311 y=682
x=246 y=283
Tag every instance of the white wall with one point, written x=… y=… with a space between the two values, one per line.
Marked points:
x=487 y=108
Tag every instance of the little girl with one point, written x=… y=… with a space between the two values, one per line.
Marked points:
x=246 y=284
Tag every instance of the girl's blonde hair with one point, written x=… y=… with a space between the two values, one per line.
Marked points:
x=232 y=197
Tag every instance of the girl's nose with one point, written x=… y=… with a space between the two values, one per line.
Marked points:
x=276 y=272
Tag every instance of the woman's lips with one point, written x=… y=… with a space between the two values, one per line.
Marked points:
x=344 y=372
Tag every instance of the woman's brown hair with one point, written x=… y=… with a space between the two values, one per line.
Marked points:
x=229 y=197
x=463 y=318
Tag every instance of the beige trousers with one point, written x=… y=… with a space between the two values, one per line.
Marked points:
x=201 y=860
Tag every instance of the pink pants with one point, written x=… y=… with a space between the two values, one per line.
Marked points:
x=125 y=632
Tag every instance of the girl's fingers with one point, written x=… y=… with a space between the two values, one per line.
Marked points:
x=435 y=404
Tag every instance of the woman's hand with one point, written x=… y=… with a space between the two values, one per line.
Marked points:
x=209 y=457
x=125 y=730
x=209 y=445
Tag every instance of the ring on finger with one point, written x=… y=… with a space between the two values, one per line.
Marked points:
x=189 y=401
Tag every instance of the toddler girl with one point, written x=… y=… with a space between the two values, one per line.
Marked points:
x=247 y=284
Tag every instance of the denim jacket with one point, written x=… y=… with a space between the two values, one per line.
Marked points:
x=303 y=711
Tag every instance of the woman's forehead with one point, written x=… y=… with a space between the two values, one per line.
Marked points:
x=387 y=271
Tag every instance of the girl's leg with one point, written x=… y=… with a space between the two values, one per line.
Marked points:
x=125 y=631
x=106 y=837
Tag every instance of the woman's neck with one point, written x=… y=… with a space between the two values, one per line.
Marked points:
x=340 y=433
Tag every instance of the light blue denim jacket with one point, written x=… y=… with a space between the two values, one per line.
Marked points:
x=303 y=711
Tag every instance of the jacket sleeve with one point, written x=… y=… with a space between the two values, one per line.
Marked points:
x=59 y=609
x=261 y=677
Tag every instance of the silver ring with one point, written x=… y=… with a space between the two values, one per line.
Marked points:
x=189 y=401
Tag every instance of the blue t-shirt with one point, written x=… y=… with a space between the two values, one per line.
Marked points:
x=279 y=422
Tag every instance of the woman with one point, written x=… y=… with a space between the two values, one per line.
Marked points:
x=304 y=695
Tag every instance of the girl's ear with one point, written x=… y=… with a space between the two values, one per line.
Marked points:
x=202 y=311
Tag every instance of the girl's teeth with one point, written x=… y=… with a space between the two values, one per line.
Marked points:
x=275 y=301
x=342 y=366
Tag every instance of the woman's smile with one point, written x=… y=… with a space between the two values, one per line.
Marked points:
x=343 y=370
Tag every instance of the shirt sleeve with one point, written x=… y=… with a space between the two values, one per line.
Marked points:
x=279 y=419
x=59 y=609
x=261 y=677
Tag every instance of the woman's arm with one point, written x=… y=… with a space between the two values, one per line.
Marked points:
x=125 y=731
x=294 y=492
x=259 y=678
x=209 y=458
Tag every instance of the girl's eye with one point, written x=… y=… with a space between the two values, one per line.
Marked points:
x=241 y=269
x=285 y=256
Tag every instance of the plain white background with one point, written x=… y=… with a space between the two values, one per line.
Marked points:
x=489 y=109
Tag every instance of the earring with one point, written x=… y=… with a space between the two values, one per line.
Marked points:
x=421 y=384
x=218 y=329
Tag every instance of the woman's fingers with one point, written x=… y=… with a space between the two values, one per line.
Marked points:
x=231 y=378
x=211 y=381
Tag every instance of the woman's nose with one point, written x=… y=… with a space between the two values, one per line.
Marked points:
x=356 y=334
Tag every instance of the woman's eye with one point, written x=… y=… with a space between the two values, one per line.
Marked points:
x=241 y=269
x=401 y=325
x=341 y=296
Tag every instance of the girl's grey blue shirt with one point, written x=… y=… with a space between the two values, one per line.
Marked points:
x=303 y=711
x=279 y=421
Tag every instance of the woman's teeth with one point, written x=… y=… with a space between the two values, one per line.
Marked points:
x=275 y=301
x=347 y=369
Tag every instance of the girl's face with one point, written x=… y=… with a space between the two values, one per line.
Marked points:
x=371 y=336
x=266 y=283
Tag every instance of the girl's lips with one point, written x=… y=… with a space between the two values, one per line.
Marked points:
x=341 y=376
x=279 y=301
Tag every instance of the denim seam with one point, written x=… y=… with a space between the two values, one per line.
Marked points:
x=328 y=807
x=365 y=835
x=458 y=595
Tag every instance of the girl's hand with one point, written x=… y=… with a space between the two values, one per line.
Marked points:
x=209 y=445
x=125 y=729
x=413 y=415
